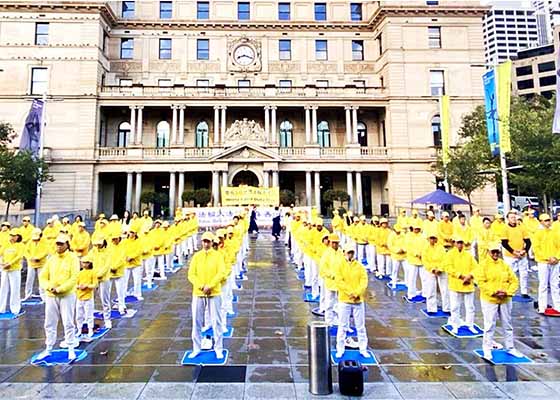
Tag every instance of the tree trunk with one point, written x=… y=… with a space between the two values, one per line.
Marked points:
x=545 y=203
x=470 y=204
x=7 y=210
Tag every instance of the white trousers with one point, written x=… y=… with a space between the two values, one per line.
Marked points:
x=430 y=283
x=361 y=253
x=105 y=297
x=148 y=264
x=520 y=266
x=214 y=306
x=194 y=241
x=398 y=264
x=490 y=313
x=371 y=256
x=330 y=303
x=120 y=287
x=322 y=298
x=32 y=273
x=384 y=264
x=57 y=308
x=314 y=275
x=413 y=271
x=160 y=260
x=549 y=277
x=307 y=269
x=456 y=299
x=84 y=313
x=346 y=310
x=227 y=296
x=136 y=273
x=10 y=285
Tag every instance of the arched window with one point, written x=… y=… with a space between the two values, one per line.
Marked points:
x=323 y=134
x=201 y=139
x=362 y=134
x=436 y=130
x=286 y=129
x=162 y=134
x=123 y=134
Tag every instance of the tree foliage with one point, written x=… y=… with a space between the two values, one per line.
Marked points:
x=335 y=195
x=153 y=198
x=287 y=197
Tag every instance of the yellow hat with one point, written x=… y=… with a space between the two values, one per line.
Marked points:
x=544 y=217
x=229 y=229
x=333 y=237
x=103 y=221
x=416 y=225
x=114 y=217
x=63 y=230
x=383 y=221
x=335 y=212
x=356 y=219
x=458 y=238
x=14 y=232
x=101 y=216
x=498 y=216
x=221 y=233
x=36 y=234
x=430 y=213
x=87 y=258
x=319 y=221
x=98 y=241
x=26 y=219
x=397 y=228
x=62 y=238
x=349 y=247
x=165 y=224
x=115 y=235
x=65 y=220
x=444 y=214
x=132 y=230
x=495 y=246
x=375 y=218
x=362 y=217
x=403 y=211
x=82 y=224
x=207 y=236
x=414 y=212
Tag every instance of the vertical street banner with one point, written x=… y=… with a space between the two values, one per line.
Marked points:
x=445 y=115
x=504 y=104
x=31 y=135
x=556 y=124
x=491 y=108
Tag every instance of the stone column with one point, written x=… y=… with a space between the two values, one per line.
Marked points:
x=350 y=190
x=275 y=181
x=215 y=188
x=314 y=125
x=267 y=123
x=224 y=178
x=266 y=179
x=128 y=205
x=355 y=124
x=359 y=200
x=273 y=130
x=174 y=125
x=348 y=124
x=223 y=121
x=181 y=133
x=307 y=125
x=172 y=187
x=308 y=188
x=95 y=193
x=318 y=191
x=139 y=129
x=181 y=188
x=132 y=138
x=138 y=193
x=216 y=125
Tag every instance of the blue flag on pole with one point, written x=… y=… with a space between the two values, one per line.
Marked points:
x=31 y=136
x=491 y=105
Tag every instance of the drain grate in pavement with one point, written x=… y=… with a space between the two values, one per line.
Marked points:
x=231 y=374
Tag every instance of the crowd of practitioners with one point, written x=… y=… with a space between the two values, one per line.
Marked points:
x=450 y=254
x=69 y=266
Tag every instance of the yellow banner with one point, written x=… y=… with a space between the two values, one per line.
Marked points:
x=445 y=127
x=504 y=104
x=248 y=195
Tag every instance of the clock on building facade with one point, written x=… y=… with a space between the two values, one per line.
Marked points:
x=244 y=55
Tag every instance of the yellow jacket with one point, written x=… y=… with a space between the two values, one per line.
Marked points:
x=157 y=238
x=80 y=243
x=60 y=272
x=132 y=252
x=136 y=225
x=88 y=278
x=12 y=255
x=117 y=260
x=430 y=228
x=147 y=246
x=466 y=233
x=101 y=264
x=351 y=280
x=25 y=232
x=206 y=269
x=36 y=253
x=114 y=228
x=498 y=229
x=50 y=233
x=329 y=265
x=101 y=233
x=415 y=244
x=484 y=238
x=397 y=243
x=361 y=233
x=382 y=241
x=433 y=257
x=337 y=224
x=458 y=264
x=531 y=225
x=445 y=232
x=546 y=244
x=476 y=225
x=492 y=276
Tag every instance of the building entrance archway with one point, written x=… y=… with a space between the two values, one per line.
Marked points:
x=245 y=177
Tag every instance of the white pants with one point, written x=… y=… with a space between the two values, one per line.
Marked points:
x=57 y=308
x=549 y=276
x=314 y=272
x=322 y=298
x=490 y=312
x=148 y=264
x=198 y=306
x=430 y=282
x=30 y=282
x=361 y=253
x=105 y=297
x=384 y=264
x=346 y=310
x=371 y=254
x=397 y=264
x=10 y=283
x=413 y=280
x=227 y=296
x=120 y=287
x=161 y=259
x=307 y=269
x=136 y=273
x=456 y=299
x=521 y=266
x=330 y=303
x=84 y=313
x=194 y=242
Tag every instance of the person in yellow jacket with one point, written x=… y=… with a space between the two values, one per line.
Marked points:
x=10 y=277
x=434 y=275
x=100 y=217
x=462 y=229
x=81 y=240
x=36 y=253
x=117 y=259
x=227 y=247
x=460 y=266
x=516 y=243
x=430 y=225
x=445 y=231
x=337 y=224
x=484 y=237
x=205 y=273
x=547 y=254
x=402 y=220
x=102 y=269
x=498 y=226
x=133 y=248
x=58 y=278
x=75 y=227
x=415 y=243
x=101 y=230
x=168 y=249
x=497 y=283
x=328 y=267
x=361 y=236
x=86 y=285
x=397 y=246
x=475 y=222
x=147 y=221
x=4 y=234
x=320 y=250
x=25 y=230
x=351 y=282
x=383 y=253
x=114 y=227
x=158 y=239
x=50 y=232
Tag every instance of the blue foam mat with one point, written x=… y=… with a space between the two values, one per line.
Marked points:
x=235 y=299
x=97 y=334
x=501 y=357
x=115 y=314
x=8 y=315
x=519 y=299
x=333 y=330
x=308 y=298
x=232 y=315
x=210 y=332
x=241 y=278
x=401 y=287
x=354 y=355
x=58 y=357
x=207 y=357
x=301 y=277
x=127 y=299
x=33 y=301
x=463 y=331
x=416 y=299
x=438 y=314
x=238 y=287
x=145 y=287
x=383 y=278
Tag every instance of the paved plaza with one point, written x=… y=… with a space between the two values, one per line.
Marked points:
x=140 y=357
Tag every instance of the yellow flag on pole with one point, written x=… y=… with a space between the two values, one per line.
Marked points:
x=445 y=127
x=504 y=104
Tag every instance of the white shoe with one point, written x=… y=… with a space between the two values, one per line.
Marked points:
x=497 y=346
x=515 y=353
x=472 y=330
x=63 y=344
x=108 y=324
x=219 y=354
x=206 y=344
x=140 y=298
x=44 y=354
x=194 y=354
x=71 y=354
x=90 y=333
x=339 y=354
x=487 y=355
x=364 y=354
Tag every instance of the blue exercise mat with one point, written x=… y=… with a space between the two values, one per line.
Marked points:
x=204 y=358
x=210 y=332
x=519 y=299
x=315 y=311
x=127 y=299
x=235 y=299
x=58 y=357
x=232 y=315
x=438 y=314
x=33 y=301
x=354 y=355
x=306 y=287
x=416 y=299
x=241 y=278
x=333 y=330
x=238 y=286
x=9 y=315
x=501 y=357
x=308 y=298
x=463 y=331
x=364 y=261
x=97 y=334
x=301 y=277
x=145 y=287
x=115 y=314
x=400 y=287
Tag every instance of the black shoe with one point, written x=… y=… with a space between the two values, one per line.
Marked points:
x=525 y=296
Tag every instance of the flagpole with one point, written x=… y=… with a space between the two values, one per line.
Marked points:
x=41 y=145
x=505 y=188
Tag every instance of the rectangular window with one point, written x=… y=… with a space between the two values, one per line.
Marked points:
x=42 y=33
x=432 y=2
x=284 y=11
x=127 y=9
x=127 y=48
x=125 y=82
x=285 y=85
x=285 y=49
x=39 y=80
x=320 y=11
x=357 y=50
x=525 y=70
x=434 y=37
x=202 y=49
x=165 y=9
x=526 y=84
x=243 y=85
x=105 y=41
x=165 y=49
x=547 y=66
x=547 y=80
x=202 y=85
x=202 y=10
x=437 y=83
x=322 y=85
x=379 y=41
x=321 y=51
x=356 y=11
x=243 y=11
x=164 y=83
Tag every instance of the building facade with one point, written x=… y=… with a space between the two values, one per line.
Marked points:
x=548 y=18
x=169 y=96
x=534 y=72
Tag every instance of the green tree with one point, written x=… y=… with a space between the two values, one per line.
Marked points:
x=202 y=197
x=287 y=197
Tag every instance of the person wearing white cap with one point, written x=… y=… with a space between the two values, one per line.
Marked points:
x=36 y=253
x=330 y=263
x=102 y=268
x=434 y=275
x=133 y=264
x=382 y=248
x=11 y=264
x=58 y=278
x=397 y=245
x=516 y=242
x=547 y=255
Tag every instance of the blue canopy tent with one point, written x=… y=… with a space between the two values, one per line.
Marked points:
x=440 y=197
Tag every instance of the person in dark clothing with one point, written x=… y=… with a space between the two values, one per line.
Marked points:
x=276 y=226
x=253 y=227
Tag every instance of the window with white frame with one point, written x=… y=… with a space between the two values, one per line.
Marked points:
x=437 y=82
x=39 y=80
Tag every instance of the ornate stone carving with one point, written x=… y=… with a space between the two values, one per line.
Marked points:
x=126 y=66
x=284 y=67
x=203 y=67
x=233 y=65
x=245 y=154
x=244 y=131
x=359 y=68
x=321 y=68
